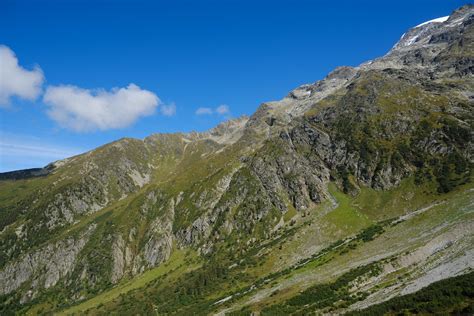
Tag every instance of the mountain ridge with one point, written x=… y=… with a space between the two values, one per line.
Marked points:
x=345 y=73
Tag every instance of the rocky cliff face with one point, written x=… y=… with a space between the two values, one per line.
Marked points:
x=84 y=224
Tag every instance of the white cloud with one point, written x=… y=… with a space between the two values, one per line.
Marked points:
x=168 y=110
x=87 y=110
x=204 y=111
x=222 y=109
x=17 y=81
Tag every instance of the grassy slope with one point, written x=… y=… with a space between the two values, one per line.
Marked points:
x=315 y=232
x=321 y=227
x=180 y=262
x=404 y=237
x=172 y=177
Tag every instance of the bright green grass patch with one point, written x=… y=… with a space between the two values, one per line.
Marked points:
x=175 y=264
x=345 y=217
x=379 y=205
x=289 y=214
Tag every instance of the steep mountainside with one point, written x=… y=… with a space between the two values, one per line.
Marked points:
x=346 y=193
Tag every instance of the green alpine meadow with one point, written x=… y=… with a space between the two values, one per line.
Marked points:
x=353 y=195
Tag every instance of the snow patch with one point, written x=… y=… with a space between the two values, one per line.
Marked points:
x=438 y=20
x=411 y=40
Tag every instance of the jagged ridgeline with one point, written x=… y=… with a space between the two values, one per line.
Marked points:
x=347 y=193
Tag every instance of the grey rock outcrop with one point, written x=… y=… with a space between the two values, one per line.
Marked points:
x=44 y=267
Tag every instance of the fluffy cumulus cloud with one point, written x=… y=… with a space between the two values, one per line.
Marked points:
x=73 y=107
x=87 y=110
x=16 y=80
x=220 y=110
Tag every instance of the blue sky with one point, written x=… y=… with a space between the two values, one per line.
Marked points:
x=112 y=69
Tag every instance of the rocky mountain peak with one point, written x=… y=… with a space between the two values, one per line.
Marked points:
x=425 y=45
x=418 y=47
x=423 y=33
x=226 y=133
x=229 y=126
